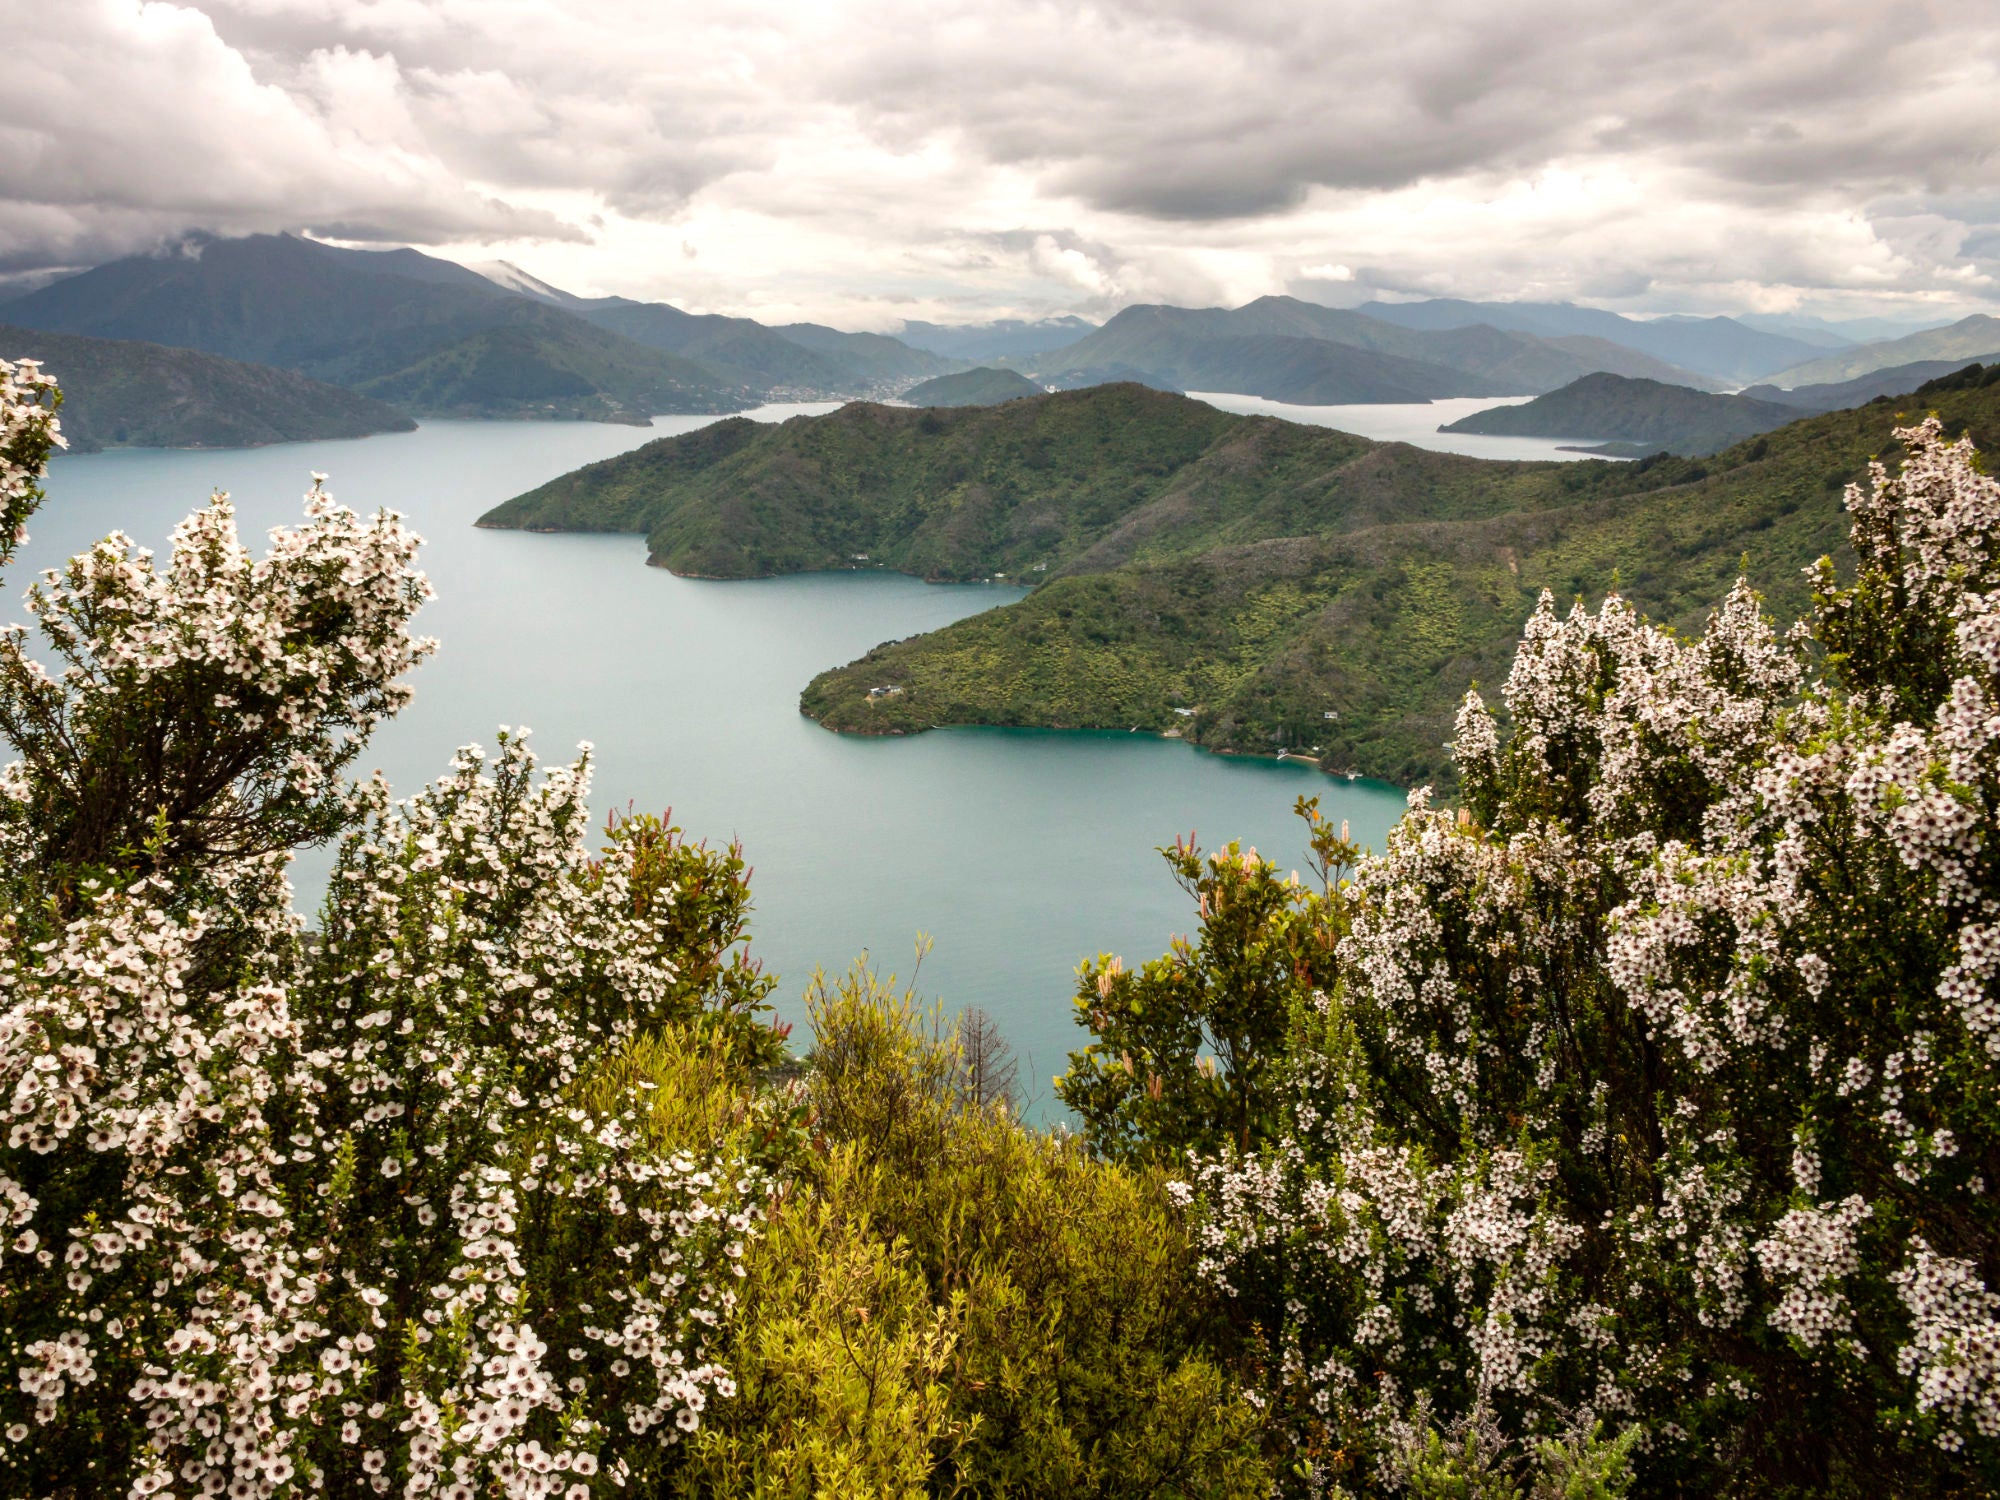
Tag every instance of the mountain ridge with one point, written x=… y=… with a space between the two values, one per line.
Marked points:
x=1720 y=348
x=126 y=393
x=1973 y=336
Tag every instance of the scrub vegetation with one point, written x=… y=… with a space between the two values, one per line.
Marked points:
x=1628 y=1129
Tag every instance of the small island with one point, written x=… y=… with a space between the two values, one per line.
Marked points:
x=1639 y=416
x=984 y=386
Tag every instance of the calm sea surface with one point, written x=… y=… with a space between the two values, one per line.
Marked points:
x=1417 y=425
x=1018 y=852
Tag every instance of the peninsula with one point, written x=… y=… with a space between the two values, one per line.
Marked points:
x=1252 y=584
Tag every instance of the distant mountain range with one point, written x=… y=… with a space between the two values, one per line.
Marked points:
x=1969 y=338
x=1632 y=417
x=122 y=393
x=1647 y=413
x=1285 y=349
x=982 y=386
x=1897 y=380
x=1004 y=339
x=435 y=338
x=440 y=339
x=1838 y=333
x=1718 y=348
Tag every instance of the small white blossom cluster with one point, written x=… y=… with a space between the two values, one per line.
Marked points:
x=283 y=1211
x=279 y=667
x=1954 y=1350
x=1643 y=1067
x=29 y=429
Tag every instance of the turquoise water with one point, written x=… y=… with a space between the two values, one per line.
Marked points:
x=1019 y=852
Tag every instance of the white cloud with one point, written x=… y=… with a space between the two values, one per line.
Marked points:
x=861 y=162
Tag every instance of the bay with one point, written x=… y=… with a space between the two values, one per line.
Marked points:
x=1018 y=852
x=1415 y=423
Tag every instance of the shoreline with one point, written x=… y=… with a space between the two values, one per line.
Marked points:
x=1280 y=757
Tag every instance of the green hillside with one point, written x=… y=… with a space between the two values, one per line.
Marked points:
x=1287 y=586
x=1612 y=408
x=125 y=393
x=556 y=369
x=983 y=386
x=1968 y=338
x=424 y=334
x=735 y=350
x=1382 y=625
x=874 y=359
x=946 y=493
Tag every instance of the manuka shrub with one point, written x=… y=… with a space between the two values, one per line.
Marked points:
x=1649 y=1110
x=391 y=1204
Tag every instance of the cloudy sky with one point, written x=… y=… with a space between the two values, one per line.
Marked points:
x=861 y=163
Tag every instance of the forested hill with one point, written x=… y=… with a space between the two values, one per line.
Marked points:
x=127 y=393
x=1287 y=586
x=982 y=386
x=1611 y=408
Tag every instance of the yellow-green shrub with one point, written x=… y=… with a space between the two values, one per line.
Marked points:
x=949 y=1303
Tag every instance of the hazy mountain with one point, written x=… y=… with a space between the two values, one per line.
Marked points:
x=1968 y=338
x=1381 y=362
x=1008 y=337
x=1720 y=348
x=1523 y=363
x=738 y=350
x=1611 y=408
x=122 y=393
x=1213 y=350
x=1897 y=380
x=1839 y=333
x=1118 y=374
x=983 y=386
x=391 y=321
x=875 y=359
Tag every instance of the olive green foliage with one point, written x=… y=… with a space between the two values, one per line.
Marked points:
x=1187 y=1050
x=950 y=1303
x=1472 y=1464
x=704 y=895
x=1345 y=612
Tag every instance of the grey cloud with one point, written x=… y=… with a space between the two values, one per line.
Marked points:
x=122 y=126
x=1165 y=142
x=1211 y=112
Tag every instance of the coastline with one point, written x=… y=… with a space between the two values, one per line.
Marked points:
x=1276 y=758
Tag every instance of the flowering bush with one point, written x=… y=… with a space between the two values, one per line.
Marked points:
x=373 y=1206
x=1654 y=1089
